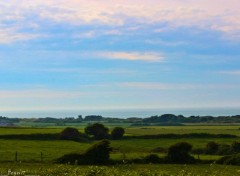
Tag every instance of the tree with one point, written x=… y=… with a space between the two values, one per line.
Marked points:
x=93 y=118
x=236 y=147
x=99 y=153
x=99 y=131
x=179 y=153
x=212 y=147
x=71 y=134
x=117 y=133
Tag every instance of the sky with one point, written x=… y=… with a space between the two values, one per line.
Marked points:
x=59 y=55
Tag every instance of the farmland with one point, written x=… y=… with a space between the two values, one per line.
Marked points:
x=32 y=154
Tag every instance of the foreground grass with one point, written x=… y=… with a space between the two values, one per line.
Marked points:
x=123 y=170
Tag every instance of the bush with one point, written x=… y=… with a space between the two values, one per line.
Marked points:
x=212 y=148
x=117 y=133
x=152 y=158
x=230 y=160
x=99 y=131
x=72 y=134
x=224 y=149
x=179 y=153
x=97 y=154
x=235 y=147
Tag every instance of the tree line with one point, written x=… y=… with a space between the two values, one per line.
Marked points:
x=165 y=119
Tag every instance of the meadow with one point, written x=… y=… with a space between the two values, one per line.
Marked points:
x=32 y=154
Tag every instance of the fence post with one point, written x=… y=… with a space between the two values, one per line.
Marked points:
x=16 y=156
x=41 y=156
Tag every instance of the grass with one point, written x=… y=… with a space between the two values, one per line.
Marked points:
x=183 y=130
x=123 y=170
x=149 y=130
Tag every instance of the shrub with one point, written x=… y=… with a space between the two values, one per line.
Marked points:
x=235 y=147
x=99 y=131
x=152 y=158
x=72 y=134
x=97 y=154
x=117 y=133
x=230 y=160
x=212 y=147
x=224 y=149
x=179 y=153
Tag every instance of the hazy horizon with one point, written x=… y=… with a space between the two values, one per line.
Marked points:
x=125 y=113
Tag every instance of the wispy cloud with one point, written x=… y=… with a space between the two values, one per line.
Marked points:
x=39 y=94
x=133 y=56
x=219 y=15
x=232 y=72
x=12 y=35
x=174 y=86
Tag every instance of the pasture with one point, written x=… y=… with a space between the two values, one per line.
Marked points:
x=32 y=153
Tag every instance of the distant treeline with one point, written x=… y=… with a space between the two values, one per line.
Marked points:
x=165 y=119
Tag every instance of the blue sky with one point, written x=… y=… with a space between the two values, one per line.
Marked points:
x=96 y=55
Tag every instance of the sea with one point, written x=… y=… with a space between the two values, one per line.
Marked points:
x=124 y=113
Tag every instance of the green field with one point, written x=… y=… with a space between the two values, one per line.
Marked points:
x=29 y=151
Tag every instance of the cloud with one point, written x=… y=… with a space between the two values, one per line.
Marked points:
x=233 y=72
x=11 y=35
x=169 y=86
x=133 y=56
x=218 y=15
x=39 y=94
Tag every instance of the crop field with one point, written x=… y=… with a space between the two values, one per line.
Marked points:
x=31 y=154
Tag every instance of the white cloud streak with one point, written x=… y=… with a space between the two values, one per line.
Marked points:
x=10 y=35
x=232 y=72
x=39 y=94
x=165 y=86
x=132 y=56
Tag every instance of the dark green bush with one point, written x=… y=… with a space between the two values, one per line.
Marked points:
x=179 y=153
x=117 y=133
x=99 y=131
x=152 y=158
x=230 y=160
x=224 y=149
x=72 y=134
x=212 y=148
x=236 y=147
x=97 y=154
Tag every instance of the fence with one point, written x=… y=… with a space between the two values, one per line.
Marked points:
x=18 y=156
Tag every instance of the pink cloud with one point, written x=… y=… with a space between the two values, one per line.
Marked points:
x=220 y=15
